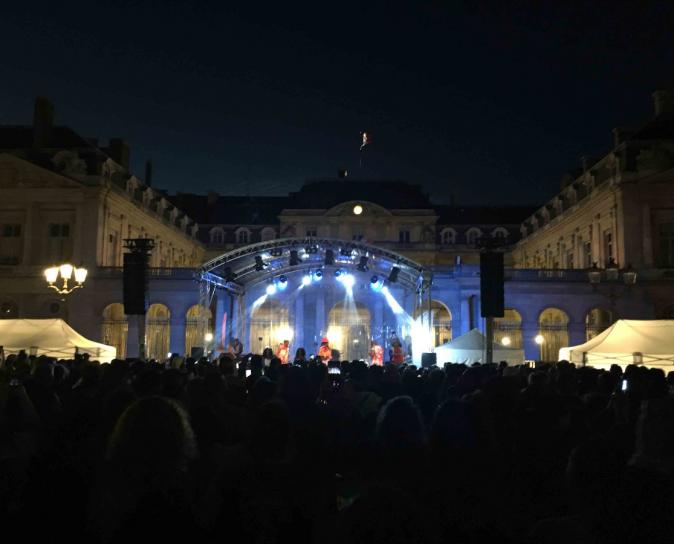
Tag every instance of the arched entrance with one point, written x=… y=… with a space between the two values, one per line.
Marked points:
x=349 y=330
x=441 y=319
x=509 y=326
x=157 y=332
x=554 y=330
x=194 y=320
x=115 y=328
x=597 y=321
x=269 y=326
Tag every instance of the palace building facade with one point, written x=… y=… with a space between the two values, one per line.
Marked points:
x=67 y=198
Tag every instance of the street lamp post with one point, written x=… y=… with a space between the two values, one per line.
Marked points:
x=65 y=273
x=613 y=277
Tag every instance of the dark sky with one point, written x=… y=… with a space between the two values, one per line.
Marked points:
x=489 y=101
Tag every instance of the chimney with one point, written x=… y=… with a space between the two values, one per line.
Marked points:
x=43 y=122
x=663 y=101
x=119 y=152
x=148 y=173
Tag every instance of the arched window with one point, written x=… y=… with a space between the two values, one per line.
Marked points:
x=473 y=235
x=509 y=326
x=157 y=331
x=448 y=237
x=597 y=321
x=115 y=328
x=267 y=233
x=349 y=330
x=217 y=236
x=553 y=324
x=9 y=310
x=441 y=322
x=269 y=326
x=198 y=322
x=499 y=232
x=242 y=236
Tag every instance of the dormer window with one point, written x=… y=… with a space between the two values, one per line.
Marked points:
x=217 y=236
x=473 y=235
x=448 y=237
x=242 y=236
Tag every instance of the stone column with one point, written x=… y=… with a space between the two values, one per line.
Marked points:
x=298 y=324
x=220 y=338
x=177 y=334
x=464 y=318
x=532 y=350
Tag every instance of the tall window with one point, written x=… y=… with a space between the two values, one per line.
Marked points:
x=113 y=246
x=587 y=255
x=448 y=236
x=666 y=245
x=59 y=243
x=569 y=259
x=242 y=237
x=217 y=236
x=11 y=244
x=473 y=235
x=608 y=245
x=115 y=328
x=404 y=236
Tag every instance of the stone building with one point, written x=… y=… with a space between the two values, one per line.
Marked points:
x=64 y=197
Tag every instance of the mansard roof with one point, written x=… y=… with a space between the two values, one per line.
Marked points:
x=482 y=215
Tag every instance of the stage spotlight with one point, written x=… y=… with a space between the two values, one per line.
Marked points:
x=230 y=276
x=318 y=275
x=338 y=273
x=276 y=252
x=271 y=289
x=306 y=280
x=362 y=264
x=282 y=283
x=393 y=276
x=376 y=283
x=348 y=280
x=329 y=257
x=294 y=258
x=259 y=264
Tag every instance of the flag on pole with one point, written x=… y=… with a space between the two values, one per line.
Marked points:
x=367 y=139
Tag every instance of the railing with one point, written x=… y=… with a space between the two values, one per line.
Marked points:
x=154 y=272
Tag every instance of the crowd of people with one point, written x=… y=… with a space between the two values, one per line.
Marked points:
x=243 y=449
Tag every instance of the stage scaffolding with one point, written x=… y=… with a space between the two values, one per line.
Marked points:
x=236 y=271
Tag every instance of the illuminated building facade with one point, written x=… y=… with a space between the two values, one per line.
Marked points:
x=67 y=198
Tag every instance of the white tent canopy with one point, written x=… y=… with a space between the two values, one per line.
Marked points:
x=627 y=341
x=51 y=337
x=469 y=348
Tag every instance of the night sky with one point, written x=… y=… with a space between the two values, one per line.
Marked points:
x=489 y=102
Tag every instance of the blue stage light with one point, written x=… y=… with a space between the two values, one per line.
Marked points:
x=282 y=283
x=306 y=280
x=376 y=283
x=271 y=289
x=318 y=275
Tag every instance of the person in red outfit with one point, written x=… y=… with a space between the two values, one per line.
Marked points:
x=398 y=356
x=324 y=352
x=283 y=352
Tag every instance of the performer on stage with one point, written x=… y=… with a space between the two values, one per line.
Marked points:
x=283 y=351
x=235 y=348
x=325 y=352
x=398 y=355
x=376 y=354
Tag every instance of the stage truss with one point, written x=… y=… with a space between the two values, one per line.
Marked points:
x=239 y=270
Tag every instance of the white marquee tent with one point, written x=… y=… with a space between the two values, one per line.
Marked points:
x=51 y=337
x=469 y=348
x=627 y=341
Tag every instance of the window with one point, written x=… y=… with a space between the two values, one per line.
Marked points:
x=59 y=246
x=587 y=255
x=666 y=245
x=569 y=259
x=311 y=233
x=448 y=236
x=404 y=236
x=217 y=236
x=242 y=236
x=113 y=243
x=473 y=235
x=11 y=244
x=608 y=246
x=499 y=232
